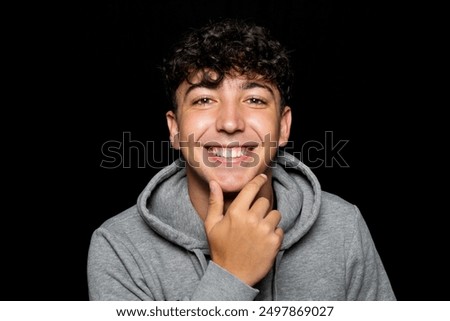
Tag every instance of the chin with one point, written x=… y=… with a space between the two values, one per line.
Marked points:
x=231 y=188
x=233 y=183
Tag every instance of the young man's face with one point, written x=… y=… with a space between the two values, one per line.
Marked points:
x=230 y=133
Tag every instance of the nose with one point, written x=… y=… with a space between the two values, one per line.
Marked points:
x=229 y=119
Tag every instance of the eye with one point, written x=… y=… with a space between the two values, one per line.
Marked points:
x=202 y=101
x=256 y=101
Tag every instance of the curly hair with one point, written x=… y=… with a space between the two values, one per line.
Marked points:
x=225 y=47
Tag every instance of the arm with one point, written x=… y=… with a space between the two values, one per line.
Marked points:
x=114 y=275
x=109 y=271
x=217 y=284
x=365 y=275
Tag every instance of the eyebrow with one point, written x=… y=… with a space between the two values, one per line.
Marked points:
x=253 y=84
x=244 y=86
x=192 y=87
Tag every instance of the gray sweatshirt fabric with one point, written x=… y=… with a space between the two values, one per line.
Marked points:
x=158 y=250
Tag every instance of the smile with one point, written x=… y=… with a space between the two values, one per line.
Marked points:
x=230 y=152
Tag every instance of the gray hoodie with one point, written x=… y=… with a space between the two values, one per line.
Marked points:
x=158 y=250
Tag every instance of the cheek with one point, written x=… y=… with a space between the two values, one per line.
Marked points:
x=263 y=124
x=195 y=124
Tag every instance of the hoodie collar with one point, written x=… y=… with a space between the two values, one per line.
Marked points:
x=298 y=195
x=166 y=207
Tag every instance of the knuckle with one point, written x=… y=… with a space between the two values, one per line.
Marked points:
x=271 y=243
x=280 y=235
x=266 y=228
x=274 y=241
x=275 y=214
x=232 y=212
x=252 y=220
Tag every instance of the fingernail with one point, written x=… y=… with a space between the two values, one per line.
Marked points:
x=264 y=175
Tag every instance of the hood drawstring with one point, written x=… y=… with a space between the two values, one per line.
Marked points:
x=274 y=279
x=202 y=259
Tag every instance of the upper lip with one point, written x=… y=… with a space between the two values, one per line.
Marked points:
x=231 y=145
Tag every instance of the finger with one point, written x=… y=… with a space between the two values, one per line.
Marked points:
x=260 y=207
x=215 y=206
x=248 y=193
x=273 y=218
x=279 y=231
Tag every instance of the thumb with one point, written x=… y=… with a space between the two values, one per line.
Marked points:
x=215 y=206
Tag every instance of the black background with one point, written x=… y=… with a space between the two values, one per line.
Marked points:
x=357 y=65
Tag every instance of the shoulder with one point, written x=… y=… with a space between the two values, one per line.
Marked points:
x=332 y=203
x=337 y=212
x=129 y=217
x=126 y=225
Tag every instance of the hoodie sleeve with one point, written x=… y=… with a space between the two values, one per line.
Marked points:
x=110 y=267
x=217 y=284
x=115 y=274
x=366 y=277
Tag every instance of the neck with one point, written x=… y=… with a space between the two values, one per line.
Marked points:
x=199 y=194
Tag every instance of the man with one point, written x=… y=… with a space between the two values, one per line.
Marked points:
x=237 y=219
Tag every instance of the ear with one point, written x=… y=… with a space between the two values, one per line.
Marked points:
x=285 y=126
x=172 y=124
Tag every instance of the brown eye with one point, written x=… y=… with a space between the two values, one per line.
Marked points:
x=256 y=101
x=203 y=101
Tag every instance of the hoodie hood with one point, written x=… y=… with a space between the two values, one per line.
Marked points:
x=166 y=207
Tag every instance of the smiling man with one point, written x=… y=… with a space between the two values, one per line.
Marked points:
x=226 y=132
x=236 y=219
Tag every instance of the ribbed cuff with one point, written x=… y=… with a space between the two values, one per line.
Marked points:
x=218 y=284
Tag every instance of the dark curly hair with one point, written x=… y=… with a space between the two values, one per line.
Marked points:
x=226 y=47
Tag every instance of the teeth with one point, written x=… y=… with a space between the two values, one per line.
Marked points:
x=229 y=152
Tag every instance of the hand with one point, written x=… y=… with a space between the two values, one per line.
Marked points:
x=246 y=239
